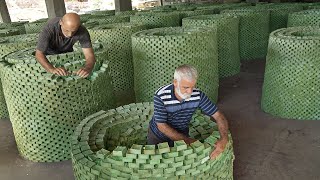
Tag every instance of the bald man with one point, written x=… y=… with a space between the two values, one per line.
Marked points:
x=59 y=36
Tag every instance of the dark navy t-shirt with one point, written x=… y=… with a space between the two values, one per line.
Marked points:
x=168 y=109
x=52 y=41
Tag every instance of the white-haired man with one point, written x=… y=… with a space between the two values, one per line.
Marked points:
x=174 y=106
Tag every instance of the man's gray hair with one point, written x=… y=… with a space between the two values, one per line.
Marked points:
x=185 y=72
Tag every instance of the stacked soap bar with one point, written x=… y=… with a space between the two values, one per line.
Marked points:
x=45 y=109
x=101 y=148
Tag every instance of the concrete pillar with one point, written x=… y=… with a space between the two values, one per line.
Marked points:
x=123 y=5
x=55 y=8
x=4 y=13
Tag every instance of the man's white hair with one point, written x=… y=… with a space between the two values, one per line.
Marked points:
x=185 y=72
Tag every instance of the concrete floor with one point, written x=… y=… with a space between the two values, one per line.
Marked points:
x=266 y=147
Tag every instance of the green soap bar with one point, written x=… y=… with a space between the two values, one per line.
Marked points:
x=141 y=161
x=135 y=149
x=156 y=156
x=180 y=145
x=105 y=164
x=195 y=172
x=170 y=154
x=133 y=165
x=179 y=158
x=146 y=166
x=196 y=163
x=143 y=171
x=95 y=172
x=185 y=167
x=163 y=145
x=186 y=152
x=200 y=167
x=114 y=172
x=169 y=170
x=119 y=151
x=155 y=161
x=200 y=156
x=157 y=171
x=127 y=159
x=167 y=161
x=143 y=156
x=177 y=164
x=162 y=165
x=189 y=161
x=149 y=149
x=179 y=173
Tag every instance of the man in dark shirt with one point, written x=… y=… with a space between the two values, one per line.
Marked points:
x=174 y=106
x=59 y=36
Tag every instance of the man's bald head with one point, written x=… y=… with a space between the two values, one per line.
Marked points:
x=70 y=23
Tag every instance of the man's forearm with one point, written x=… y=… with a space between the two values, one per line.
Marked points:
x=222 y=125
x=90 y=58
x=42 y=59
x=171 y=132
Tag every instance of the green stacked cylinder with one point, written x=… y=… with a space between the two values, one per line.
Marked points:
x=304 y=18
x=109 y=19
x=220 y=7
x=14 y=25
x=111 y=145
x=8 y=45
x=117 y=39
x=45 y=109
x=9 y=32
x=36 y=26
x=103 y=12
x=157 y=20
x=228 y=40
x=291 y=82
x=126 y=13
x=185 y=14
x=254 y=31
x=157 y=52
x=279 y=14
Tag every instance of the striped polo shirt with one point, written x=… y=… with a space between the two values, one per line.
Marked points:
x=168 y=109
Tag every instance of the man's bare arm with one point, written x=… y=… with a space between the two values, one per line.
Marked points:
x=90 y=62
x=42 y=59
x=174 y=134
x=222 y=123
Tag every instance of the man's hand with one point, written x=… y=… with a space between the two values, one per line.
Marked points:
x=83 y=72
x=220 y=145
x=189 y=140
x=60 y=71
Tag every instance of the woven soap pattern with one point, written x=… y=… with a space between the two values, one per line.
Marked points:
x=157 y=20
x=228 y=40
x=45 y=109
x=103 y=12
x=158 y=52
x=111 y=145
x=279 y=14
x=117 y=40
x=126 y=13
x=304 y=18
x=109 y=19
x=254 y=32
x=291 y=84
x=199 y=12
x=14 y=25
x=36 y=26
x=7 y=45
x=9 y=32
